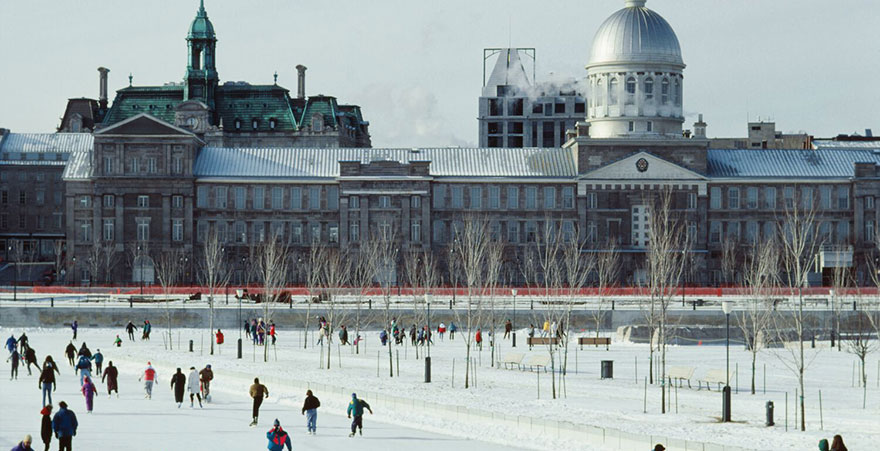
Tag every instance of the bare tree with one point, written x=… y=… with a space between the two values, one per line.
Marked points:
x=494 y=259
x=760 y=277
x=666 y=252
x=729 y=259
x=840 y=279
x=335 y=275
x=317 y=254
x=607 y=264
x=577 y=265
x=799 y=245
x=214 y=273
x=468 y=252
x=169 y=269
x=362 y=276
x=861 y=341
x=548 y=249
x=273 y=261
x=58 y=248
x=387 y=249
x=98 y=251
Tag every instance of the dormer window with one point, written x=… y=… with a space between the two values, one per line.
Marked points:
x=254 y=124
x=238 y=124
x=272 y=124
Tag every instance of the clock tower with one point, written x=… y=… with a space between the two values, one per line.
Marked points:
x=201 y=72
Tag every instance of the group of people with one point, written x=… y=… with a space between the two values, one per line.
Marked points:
x=20 y=353
x=256 y=329
x=195 y=384
x=146 y=329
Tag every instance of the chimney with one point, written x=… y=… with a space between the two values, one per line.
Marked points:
x=102 y=88
x=300 y=81
x=700 y=128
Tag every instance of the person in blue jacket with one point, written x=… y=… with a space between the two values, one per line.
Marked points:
x=16 y=358
x=99 y=361
x=64 y=424
x=278 y=438
x=84 y=368
x=356 y=407
x=10 y=343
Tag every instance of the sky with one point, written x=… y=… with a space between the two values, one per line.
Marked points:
x=415 y=67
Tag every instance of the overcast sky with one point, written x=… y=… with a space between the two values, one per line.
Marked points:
x=416 y=66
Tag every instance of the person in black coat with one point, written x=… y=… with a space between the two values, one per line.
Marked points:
x=47 y=379
x=178 y=383
x=111 y=375
x=70 y=352
x=30 y=356
x=84 y=350
x=46 y=425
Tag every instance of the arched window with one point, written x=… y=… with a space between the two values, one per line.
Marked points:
x=677 y=92
x=612 y=92
x=600 y=92
x=649 y=89
x=664 y=92
x=630 y=90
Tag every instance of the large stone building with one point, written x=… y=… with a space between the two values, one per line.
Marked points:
x=169 y=166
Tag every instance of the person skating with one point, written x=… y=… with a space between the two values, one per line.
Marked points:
x=10 y=343
x=478 y=338
x=220 y=339
x=356 y=407
x=111 y=375
x=205 y=377
x=837 y=444
x=193 y=387
x=64 y=425
x=149 y=378
x=15 y=357
x=147 y=329
x=70 y=352
x=84 y=368
x=130 y=328
x=310 y=410
x=22 y=343
x=823 y=445
x=508 y=326
x=178 y=383
x=278 y=439
x=257 y=391
x=99 y=361
x=30 y=357
x=452 y=329
x=272 y=332
x=84 y=350
x=46 y=425
x=74 y=326
x=118 y=342
x=441 y=329
x=247 y=328
x=25 y=444
x=47 y=379
x=89 y=390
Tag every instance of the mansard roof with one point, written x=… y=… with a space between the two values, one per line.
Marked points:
x=221 y=162
x=788 y=163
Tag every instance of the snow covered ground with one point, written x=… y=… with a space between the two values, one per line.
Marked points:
x=586 y=400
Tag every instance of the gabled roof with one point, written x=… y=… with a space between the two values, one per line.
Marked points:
x=508 y=71
x=323 y=105
x=143 y=124
x=787 y=163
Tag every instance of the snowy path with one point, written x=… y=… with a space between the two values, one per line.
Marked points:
x=133 y=423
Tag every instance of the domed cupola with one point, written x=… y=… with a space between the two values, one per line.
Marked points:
x=201 y=27
x=201 y=71
x=635 y=76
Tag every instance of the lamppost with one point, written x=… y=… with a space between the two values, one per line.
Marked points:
x=15 y=278
x=726 y=306
x=239 y=294
x=141 y=265
x=454 y=274
x=73 y=276
x=428 y=338
x=513 y=325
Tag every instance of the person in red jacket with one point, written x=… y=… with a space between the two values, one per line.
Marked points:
x=479 y=339
x=149 y=377
x=219 y=336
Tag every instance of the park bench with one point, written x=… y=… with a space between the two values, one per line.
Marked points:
x=714 y=377
x=543 y=341
x=512 y=358
x=537 y=360
x=680 y=373
x=594 y=341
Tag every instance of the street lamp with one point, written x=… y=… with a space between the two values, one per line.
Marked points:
x=15 y=278
x=726 y=306
x=73 y=277
x=239 y=294
x=428 y=338
x=141 y=275
x=513 y=325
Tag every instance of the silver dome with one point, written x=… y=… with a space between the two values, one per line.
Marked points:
x=635 y=34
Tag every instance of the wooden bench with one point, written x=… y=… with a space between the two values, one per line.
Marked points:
x=537 y=360
x=542 y=341
x=594 y=341
x=680 y=373
x=719 y=377
x=512 y=358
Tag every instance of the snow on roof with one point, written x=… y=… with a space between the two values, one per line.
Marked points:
x=787 y=163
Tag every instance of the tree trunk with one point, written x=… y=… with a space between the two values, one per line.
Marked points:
x=754 y=358
x=211 y=327
x=467 y=367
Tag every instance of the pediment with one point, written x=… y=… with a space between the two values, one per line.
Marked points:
x=143 y=124
x=643 y=166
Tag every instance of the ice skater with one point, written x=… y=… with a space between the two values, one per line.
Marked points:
x=111 y=375
x=25 y=444
x=46 y=425
x=193 y=387
x=70 y=352
x=99 y=361
x=89 y=390
x=15 y=357
x=149 y=378
x=356 y=407
x=178 y=384
x=257 y=391
x=84 y=368
x=30 y=357
x=10 y=343
x=205 y=377
x=278 y=439
x=310 y=410
x=130 y=328
x=74 y=326
x=64 y=424
x=47 y=379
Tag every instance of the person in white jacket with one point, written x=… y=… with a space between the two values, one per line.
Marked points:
x=192 y=385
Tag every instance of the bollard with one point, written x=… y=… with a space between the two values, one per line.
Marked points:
x=769 y=409
x=450 y=304
x=52 y=300
x=427 y=369
x=370 y=304
x=190 y=346
x=532 y=304
x=725 y=405
x=813 y=341
x=130 y=303
x=612 y=304
x=239 y=348
x=854 y=305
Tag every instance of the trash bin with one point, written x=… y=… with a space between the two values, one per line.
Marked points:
x=608 y=369
x=769 y=414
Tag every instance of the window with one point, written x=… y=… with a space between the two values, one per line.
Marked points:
x=495 y=107
x=259 y=228
x=177 y=230
x=843 y=231
x=4 y=197
x=869 y=203
x=733 y=198
x=568 y=197
x=769 y=230
x=220 y=197
x=531 y=231
x=143 y=201
x=476 y=195
x=592 y=200
x=254 y=124
x=57 y=197
x=151 y=165
x=57 y=220
x=649 y=88
x=869 y=231
x=664 y=92
x=531 y=198
x=549 y=198
x=177 y=164
x=631 y=126
x=333 y=233
x=600 y=92
x=176 y=201
x=135 y=165
x=715 y=198
x=22 y=222
x=842 y=198
x=384 y=201
x=240 y=232
x=592 y=232
x=109 y=199
x=513 y=197
x=108 y=230
x=202 y=197
x=649 y=126
x=630 y=85
x=296 y=233
x=457 y=197
x=513 y=231
x=354 y=231
x=567 y=231
x=692 y=201
x=692 y=231
x=612 y=92
x=415 y=231
x=677 y=92
x=788 y=197
x=259 y=197
x=752 y=231
x=4 y=221
x=333 y=198
x=223 y=231
x=296 y=198
x=315 y=232
x=752 y=197
x=354 y=202
x=515 y=107
x=439 y=196
x=439 y=232
x=314 y=198
x=277 y=230
x=277 y=198
x=272 y=123
x=84 y=201
x=239 y=197
x=143 y=229
x=770 y=198
x=201 y=231
x=733 y=230
x=714 y=232
x=40 y=197
x=415 y=202
x=108 y=165
x=807 y=198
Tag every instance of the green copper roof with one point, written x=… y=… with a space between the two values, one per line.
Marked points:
x=324 y=105
x=249 y=102
x=201 y=27
x=158 y=101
